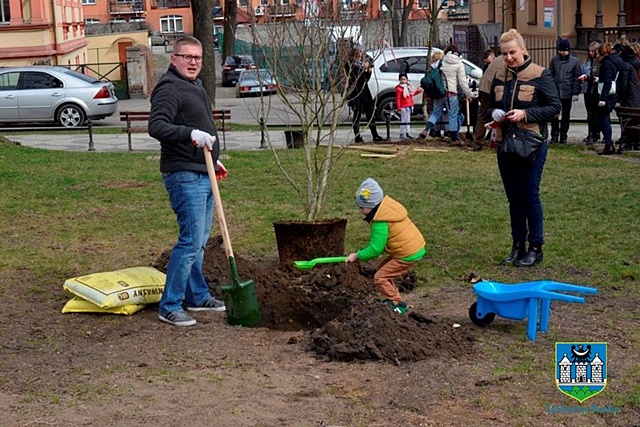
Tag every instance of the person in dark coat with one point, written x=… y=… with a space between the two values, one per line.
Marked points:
x=628 y=84
x=522 y=95
x=566 y=70
x=359 y=98
x=181 y=119
x=610 y=66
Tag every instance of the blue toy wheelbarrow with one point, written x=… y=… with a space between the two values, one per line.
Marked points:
x=530 y=300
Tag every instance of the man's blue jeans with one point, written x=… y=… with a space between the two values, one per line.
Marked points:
x=521 y=181
x=192 y=201
x=451 y=103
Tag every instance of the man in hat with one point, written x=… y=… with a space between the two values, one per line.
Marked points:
x=565 y=69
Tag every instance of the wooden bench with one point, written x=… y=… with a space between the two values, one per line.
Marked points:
x=143 y=116
x=630 y=121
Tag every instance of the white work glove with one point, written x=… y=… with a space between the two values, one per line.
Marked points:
x=601 y=104
x=202 y=139
x=498 y=115
x=575 y=98
x=596 y=79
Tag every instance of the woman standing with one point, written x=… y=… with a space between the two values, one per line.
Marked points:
x=610 y=66
x=453 y=75
x=524 y=95
x=589 y=77
x=359 y=98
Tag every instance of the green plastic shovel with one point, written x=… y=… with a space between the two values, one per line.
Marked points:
x=308 y=265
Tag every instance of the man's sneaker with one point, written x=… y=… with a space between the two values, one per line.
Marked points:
x=177 y=318
x=401 y=308
x=211 y=304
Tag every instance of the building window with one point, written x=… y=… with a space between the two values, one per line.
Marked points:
x=88 y=1
x=90 y=21
x=167 y=4
x=533 y=12
x=5 y=12
x=243 y=3
x=171 y=24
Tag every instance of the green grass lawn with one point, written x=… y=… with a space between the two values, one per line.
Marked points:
x=71 y=213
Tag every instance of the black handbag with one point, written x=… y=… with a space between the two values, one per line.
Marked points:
x=522 y=143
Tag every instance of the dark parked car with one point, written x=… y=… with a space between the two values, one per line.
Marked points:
x=256 y=83
x=232 y=67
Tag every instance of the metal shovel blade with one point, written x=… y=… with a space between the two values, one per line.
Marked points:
x=308 y=265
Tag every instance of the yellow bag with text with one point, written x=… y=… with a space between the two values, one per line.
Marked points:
x=130 y=286
x=78 y=305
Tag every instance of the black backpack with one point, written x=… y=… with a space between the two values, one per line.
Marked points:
x=433 y=83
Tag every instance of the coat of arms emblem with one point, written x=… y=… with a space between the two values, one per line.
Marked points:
x=581 y=369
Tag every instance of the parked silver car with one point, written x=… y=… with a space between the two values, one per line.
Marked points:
x=256 y=83
x=53 y=94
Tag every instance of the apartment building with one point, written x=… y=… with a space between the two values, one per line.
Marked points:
x=46 y=32
x=166 y=16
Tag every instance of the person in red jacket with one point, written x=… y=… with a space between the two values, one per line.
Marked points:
x=404 y=103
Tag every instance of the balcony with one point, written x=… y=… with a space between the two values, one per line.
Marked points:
x=280 y=11
x=126 y=7
x=586 y=35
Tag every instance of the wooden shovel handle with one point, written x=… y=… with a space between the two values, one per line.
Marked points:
x=222 y=222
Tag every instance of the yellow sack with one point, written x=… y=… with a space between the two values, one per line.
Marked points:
x=78 y=305
x=131 y=286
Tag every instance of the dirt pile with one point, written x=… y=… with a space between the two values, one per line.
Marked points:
x=338 y=302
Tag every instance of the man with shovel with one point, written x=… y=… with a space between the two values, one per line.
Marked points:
x=181 y=119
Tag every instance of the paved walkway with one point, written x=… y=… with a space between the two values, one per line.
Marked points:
x=235 y=140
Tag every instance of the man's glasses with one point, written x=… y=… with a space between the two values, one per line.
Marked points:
x=189 y=58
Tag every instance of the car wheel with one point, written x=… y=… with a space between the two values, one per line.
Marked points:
x=70 y=116
x=387 y=109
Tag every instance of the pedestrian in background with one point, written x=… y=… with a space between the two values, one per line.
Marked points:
x=454 y=75
x=479 y=131
x=566 y=70
x=427 y=104
x=404 y=103
x=359 y=98
x=181 y=119
x=524 y=95
x=628 y=85
x=610 y=66
x=589 y=80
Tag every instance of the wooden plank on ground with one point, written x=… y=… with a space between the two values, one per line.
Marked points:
x=378 y=156
x=373 y=148
x=431 y=150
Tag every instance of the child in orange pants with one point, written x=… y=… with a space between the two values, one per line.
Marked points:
x=392 y=232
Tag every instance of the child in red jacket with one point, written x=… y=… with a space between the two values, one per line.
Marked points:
x=404 y=103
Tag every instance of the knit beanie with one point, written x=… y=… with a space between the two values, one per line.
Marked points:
x=563 y=44
x=369 y=194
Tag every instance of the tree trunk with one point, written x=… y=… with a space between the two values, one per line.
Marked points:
x=230 y=24
x=203 y=31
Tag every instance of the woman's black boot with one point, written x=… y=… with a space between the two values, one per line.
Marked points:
x=517 y=252
x=531 y=258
